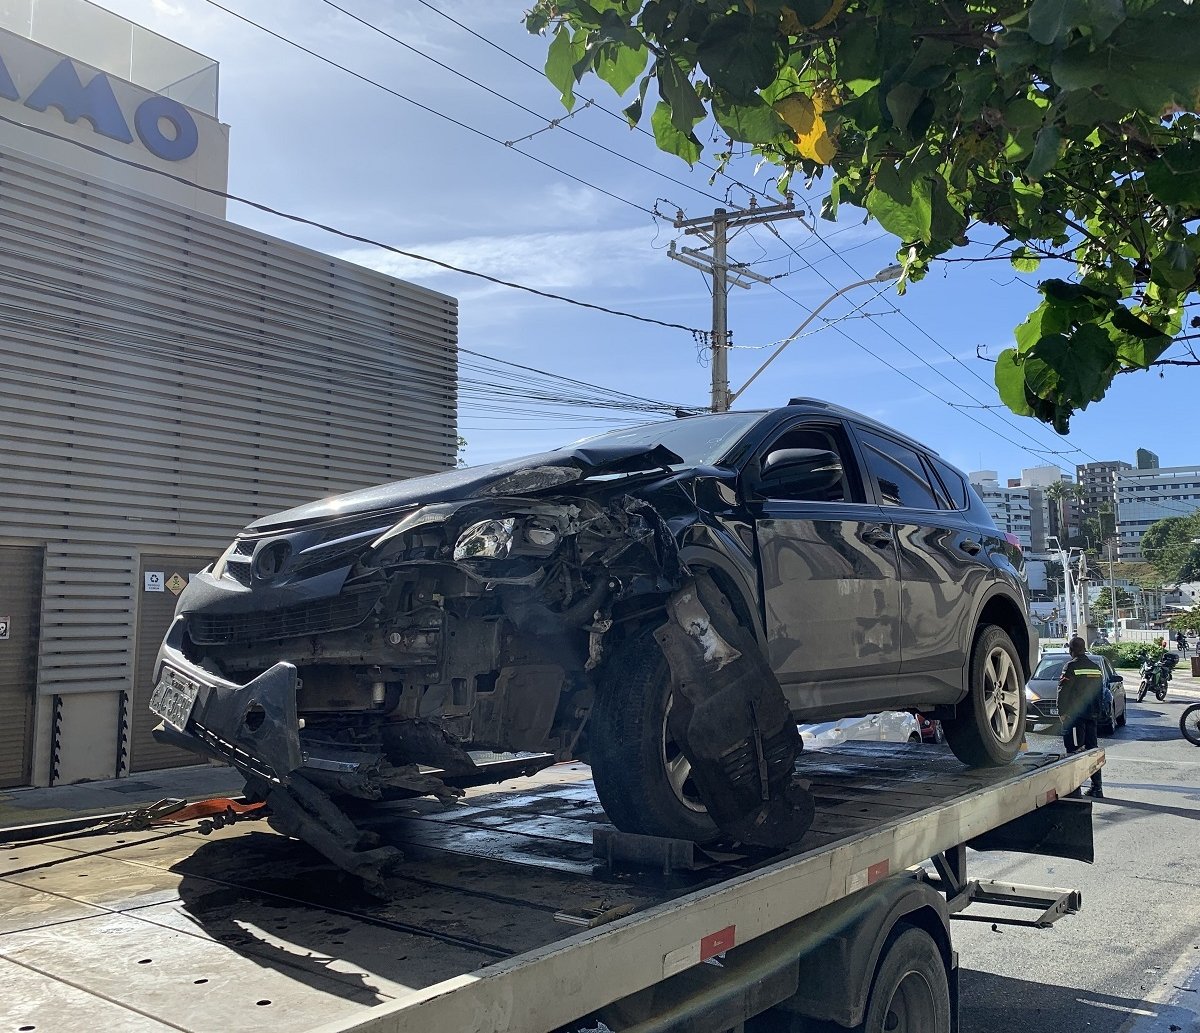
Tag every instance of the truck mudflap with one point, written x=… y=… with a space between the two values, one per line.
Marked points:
x=732 y=721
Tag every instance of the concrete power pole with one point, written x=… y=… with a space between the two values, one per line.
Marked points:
x=716 y=231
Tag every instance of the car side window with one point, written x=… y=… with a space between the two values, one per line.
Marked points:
x=955 y=484
x=898 y=472
x=826 y=438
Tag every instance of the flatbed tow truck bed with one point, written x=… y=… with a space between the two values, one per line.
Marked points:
x=489 y=925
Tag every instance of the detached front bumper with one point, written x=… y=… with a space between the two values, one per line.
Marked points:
x=254 y=726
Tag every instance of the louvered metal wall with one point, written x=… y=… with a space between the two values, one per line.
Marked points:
x=166 y=377
x=20 y=590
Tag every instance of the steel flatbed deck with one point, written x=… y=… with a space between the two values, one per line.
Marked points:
x=487 y=927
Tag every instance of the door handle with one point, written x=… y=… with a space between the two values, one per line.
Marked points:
x=970 y=547
x=877 y=536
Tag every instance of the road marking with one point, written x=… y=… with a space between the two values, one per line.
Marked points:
x=1165 y=1007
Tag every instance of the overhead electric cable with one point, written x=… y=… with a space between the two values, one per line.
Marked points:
x=716 y=170
x=358 y=238
x=550 y=122
x=426 y=108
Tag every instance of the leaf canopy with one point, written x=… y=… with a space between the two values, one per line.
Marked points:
x=1070 y=126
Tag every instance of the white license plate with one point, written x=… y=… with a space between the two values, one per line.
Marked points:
x=1052 y=711
x=174 y=697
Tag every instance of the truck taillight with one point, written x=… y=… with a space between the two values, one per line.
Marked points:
x=1014 y=541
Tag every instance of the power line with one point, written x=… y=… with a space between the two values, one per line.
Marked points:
x=356 y=237
x=550 y=122
x=426 y=108
x=715 y=169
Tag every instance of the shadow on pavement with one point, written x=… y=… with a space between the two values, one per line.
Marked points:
x=1151 y=808
x=1000 y=1004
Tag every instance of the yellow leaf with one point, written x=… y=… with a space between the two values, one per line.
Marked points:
x=812 y=135
x=792 y=26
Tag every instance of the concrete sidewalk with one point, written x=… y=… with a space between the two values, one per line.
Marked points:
x=116 y=795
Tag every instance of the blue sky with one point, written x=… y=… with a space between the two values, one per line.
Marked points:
x=313 y=140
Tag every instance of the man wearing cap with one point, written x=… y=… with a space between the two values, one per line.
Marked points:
x=1079 y=691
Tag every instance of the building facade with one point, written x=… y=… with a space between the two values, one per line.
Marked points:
x=1145 y=496
x=168 y=376
x=1146 y=460
x=1009 y=507
x=1099 y=483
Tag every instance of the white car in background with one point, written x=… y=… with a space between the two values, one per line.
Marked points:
x=890 y=726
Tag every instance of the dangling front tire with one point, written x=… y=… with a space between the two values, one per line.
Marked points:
x=641 y=776
x=1143 y=688
x=989 y=724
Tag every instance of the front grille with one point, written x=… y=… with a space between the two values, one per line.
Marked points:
x=337 y=614
x=237 y=563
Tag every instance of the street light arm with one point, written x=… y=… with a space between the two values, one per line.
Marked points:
x=890 y=273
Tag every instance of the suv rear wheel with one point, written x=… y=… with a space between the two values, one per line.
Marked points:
x=641 y=776
x=989 y=725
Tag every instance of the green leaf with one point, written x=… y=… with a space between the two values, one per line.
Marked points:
x=1175 y=177
x=1045 y=152
x=902 y=207
x=1015 y=52
x=670 y=139
x=1010 y=382
x=739 y=54
x=680 y=96
x=902 y=101
x=1084 y=368
x=752 y=121
x=620 y=66
x=1103 y=18
x=560 y=65
x=633 y=113
x=1024 y=261
x=1174 y=266
x=1051 y=20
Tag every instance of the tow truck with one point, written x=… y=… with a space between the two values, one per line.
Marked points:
x=521 y=910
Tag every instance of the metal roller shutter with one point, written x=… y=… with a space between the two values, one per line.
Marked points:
x=20 y=609
x=155 y=610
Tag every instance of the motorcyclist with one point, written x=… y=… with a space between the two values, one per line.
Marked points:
x=1181 y=643
x=1080 y=688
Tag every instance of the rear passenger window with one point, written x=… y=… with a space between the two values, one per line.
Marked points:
x=956 y=486
x=898 y=472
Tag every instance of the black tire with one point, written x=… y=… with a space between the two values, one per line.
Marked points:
x=1124 y=713
x=1161 y=694
x=1143 y=688
x=910 y=992
x=630 y=750
x=1189 y=724
x=981 y=737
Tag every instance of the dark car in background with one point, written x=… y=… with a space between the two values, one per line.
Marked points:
x=1041 y=694
x=354 y=644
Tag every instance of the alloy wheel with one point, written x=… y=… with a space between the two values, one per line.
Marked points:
x=1002 y=694
x=677 y=767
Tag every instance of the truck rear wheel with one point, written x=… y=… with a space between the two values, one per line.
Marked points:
x=642 y=777
x=989 y=724
x=910 y=992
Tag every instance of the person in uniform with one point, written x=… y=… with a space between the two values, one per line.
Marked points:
x=1080 y=689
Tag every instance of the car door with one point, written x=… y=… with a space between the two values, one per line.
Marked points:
x=943 y=565
x=828 y=573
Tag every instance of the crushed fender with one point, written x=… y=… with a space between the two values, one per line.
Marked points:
x=732 y=721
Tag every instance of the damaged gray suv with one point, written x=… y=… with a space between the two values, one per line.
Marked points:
x=664 y=602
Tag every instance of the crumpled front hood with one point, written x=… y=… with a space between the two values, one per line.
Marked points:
x=511 y=477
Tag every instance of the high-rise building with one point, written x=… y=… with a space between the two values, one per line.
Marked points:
x=1009 y=507
x=1146 y=460
x=1099 y=487
x=1147 y=495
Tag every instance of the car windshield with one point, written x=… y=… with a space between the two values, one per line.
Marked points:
x=1050 y=667
x=698 y=440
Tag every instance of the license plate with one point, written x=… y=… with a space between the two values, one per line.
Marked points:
x=174 y=697
x=1052 y=711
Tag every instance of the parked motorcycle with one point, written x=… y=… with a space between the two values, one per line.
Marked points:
x=1189 y=724
x=1155 y=674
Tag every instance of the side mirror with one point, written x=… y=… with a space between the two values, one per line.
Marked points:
x=802 y=471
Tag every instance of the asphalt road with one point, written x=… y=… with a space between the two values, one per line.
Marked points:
x=1130 y=961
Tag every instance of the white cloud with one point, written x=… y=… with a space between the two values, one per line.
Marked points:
x=549 y=261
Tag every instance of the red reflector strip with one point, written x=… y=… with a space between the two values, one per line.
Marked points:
x=868 y=876
x=717 y=943
x=1050 y=797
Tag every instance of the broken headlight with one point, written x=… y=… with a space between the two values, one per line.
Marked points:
x=486 y=540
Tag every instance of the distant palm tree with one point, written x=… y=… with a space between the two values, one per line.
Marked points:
x=1060 y=492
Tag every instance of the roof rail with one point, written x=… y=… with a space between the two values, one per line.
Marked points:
x=809 y=401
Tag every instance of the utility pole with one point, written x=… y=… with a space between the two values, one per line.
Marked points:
x=717 y=231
